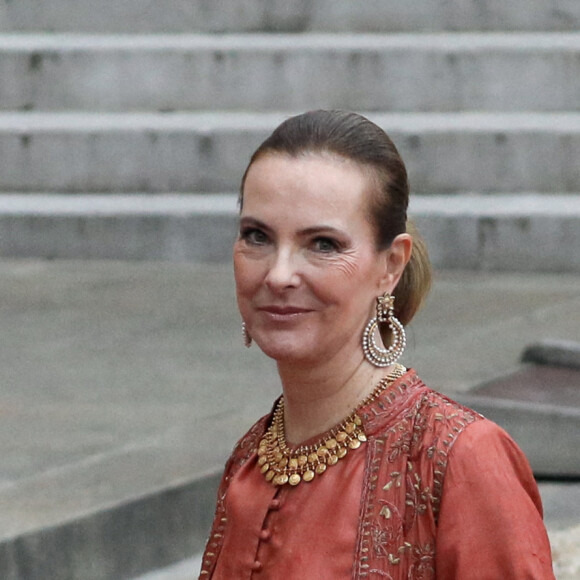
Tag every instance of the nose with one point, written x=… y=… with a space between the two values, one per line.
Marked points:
x=283 y=271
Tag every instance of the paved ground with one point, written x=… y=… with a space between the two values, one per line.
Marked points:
x=119 y=379
x=184 y=570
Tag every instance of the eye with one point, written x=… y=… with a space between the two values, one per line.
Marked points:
x=325 y=245
x=253 y=236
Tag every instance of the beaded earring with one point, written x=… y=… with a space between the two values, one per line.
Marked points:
x=375 y=353
x=246 y=335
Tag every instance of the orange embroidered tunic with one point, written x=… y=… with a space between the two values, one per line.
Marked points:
x=437 y=491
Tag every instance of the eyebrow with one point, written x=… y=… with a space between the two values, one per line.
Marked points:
x=250 y=221
x=320 y=229
x=312 y=230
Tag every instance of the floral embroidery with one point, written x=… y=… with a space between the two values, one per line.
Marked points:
x=381 y=538
x=380 y=573
x=400 y=446
x=411 y=460
x=387 y=531
x=423 y=562
x=417 y=498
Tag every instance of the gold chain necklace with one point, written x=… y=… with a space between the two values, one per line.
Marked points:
x=282 y=465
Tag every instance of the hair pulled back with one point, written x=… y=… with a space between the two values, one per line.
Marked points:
x=354 y=137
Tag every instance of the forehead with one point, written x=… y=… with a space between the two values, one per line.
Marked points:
x=323 y=183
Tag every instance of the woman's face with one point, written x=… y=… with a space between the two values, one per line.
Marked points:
x=306 y=266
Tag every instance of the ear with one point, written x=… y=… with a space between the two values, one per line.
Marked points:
x=396 y=257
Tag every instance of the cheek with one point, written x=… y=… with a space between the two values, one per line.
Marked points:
x=241 y=272
x=243 y=292
x=247 y=273
x=338 y=282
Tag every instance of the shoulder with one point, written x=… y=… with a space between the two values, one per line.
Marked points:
x=438 y=421
x=483 y=456
x=248 y=444
x=469 y=435
x=409 y=404
x=467 y=440
x=443 y=412
x=490 y=516
x=242 y=451
x=414 y=418
x=486 y=452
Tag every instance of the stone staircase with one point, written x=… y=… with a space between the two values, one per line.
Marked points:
x=125 y=125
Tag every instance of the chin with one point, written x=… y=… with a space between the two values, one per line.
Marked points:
x=282 y=354
x=285 y=351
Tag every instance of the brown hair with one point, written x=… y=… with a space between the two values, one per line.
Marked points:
x=354 y=137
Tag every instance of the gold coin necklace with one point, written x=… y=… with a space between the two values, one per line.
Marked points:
x=280 y=464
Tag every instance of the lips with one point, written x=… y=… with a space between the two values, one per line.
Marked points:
x=284 y=310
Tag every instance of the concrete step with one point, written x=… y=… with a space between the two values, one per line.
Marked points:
x=188 y=152
x=139 y=227
x=408 y=72
x=281 y=16
x=523 y=232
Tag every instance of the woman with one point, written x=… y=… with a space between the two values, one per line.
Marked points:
x=360 y=471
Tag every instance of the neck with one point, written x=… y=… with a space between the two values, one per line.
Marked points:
x=317 y=398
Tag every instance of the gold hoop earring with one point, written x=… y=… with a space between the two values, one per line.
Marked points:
x=246 y=336
x=375 y=353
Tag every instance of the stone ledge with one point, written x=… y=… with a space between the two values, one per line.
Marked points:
x=554 y=352
x=118 y=515
x=119 y=542
x=102 y=482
